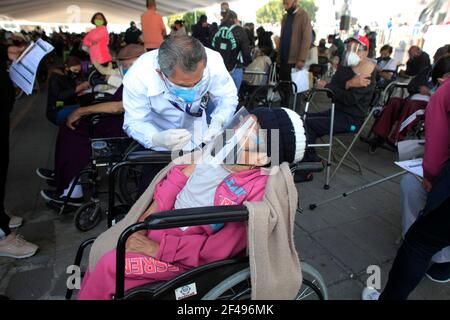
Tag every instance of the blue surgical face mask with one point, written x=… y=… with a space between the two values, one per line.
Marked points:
x=189 y=95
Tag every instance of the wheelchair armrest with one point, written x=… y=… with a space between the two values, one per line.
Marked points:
x=196 y=217
x=150 y=156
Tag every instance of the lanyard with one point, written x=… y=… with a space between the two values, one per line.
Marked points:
x=199 y=113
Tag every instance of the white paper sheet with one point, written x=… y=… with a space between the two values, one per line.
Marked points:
x=412 y=166
x=301 y=79
x=23 y=71
x=411 y=149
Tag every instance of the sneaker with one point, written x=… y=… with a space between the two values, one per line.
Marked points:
x=439 y=272
x=55 y=197
x=15 y=246
x=15 y=222
x=370 y=293
x=46 y=174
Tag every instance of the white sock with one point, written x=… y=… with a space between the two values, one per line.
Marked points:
x=77 y=191
x=2 y=234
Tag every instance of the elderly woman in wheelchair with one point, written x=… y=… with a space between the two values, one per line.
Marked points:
x=161 y=255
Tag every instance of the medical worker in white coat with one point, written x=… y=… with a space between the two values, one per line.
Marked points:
x=167 y=91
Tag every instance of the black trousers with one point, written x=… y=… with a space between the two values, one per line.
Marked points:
x=318 y=125
x=426 y=237
x=286 y=90
x=4 y=162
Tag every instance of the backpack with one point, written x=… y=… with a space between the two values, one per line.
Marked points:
x=225 y=43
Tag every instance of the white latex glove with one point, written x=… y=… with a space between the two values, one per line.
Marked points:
x=215 y=128
x=173 y=139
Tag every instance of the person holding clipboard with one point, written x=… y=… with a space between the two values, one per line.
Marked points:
x=11 y=244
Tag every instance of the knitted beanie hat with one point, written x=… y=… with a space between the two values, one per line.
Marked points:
x=292 y=144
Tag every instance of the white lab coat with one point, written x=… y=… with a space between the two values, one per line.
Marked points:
x=146 y=99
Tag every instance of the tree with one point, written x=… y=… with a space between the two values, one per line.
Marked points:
x=187 y=17
x=273 y=11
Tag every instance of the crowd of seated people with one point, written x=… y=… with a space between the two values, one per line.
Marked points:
x=388 y=127
x=72 y=150
x=355 y=76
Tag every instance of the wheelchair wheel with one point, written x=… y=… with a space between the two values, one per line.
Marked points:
x=88 y=216
x=238 y=286
x=129 y=178
x=313 y=287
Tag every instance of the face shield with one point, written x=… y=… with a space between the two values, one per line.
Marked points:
x=352 y=53
x=189 y=95
x=242 y=142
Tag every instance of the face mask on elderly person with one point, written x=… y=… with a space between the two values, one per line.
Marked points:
x=352 y=55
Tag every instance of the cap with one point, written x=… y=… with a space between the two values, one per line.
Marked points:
x=131 y=51
x=362 y=40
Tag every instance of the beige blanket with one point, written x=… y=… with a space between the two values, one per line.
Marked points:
x=274 y=263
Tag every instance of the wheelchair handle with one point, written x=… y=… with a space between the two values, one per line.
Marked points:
x=315 y=91
x=169 y=220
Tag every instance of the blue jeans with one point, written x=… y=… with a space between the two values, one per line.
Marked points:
x=238 y=77
x=64 y=113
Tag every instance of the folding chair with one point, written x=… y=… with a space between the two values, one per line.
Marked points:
x=374 y=107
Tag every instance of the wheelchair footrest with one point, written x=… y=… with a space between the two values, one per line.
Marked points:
x=310 y=167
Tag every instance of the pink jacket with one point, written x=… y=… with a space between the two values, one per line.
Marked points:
x=97 y=40
x=180 y=250
x=201 y=245
x=437 y=132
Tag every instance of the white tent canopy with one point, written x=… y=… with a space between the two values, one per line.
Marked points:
x=80 y=11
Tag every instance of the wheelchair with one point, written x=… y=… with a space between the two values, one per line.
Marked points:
x=222 y=280
x=384 y=94
x=252 y=96
x=110 y=154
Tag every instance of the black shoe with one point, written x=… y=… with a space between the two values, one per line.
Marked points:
x=53 y=196
x=439 y=272
x=46 y=174
x=302 y=176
